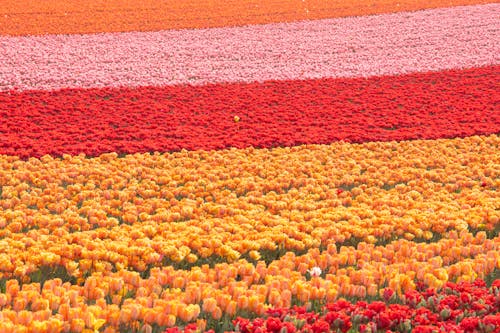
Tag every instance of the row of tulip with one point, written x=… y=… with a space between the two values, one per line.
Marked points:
x=94 y=16
x=120 y=212
x=117 y=301
x=367 y=267
x=348 y=47
x=322 y=111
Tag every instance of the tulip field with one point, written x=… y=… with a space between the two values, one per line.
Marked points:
x=249 y=166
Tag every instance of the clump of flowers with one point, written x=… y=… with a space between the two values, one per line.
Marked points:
x=462 y=308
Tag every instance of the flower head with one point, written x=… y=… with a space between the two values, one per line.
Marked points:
x=315 y=271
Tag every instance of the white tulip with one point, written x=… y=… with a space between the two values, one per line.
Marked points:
x=315 y=271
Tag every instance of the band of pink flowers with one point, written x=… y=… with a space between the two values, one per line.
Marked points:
x=389 y=44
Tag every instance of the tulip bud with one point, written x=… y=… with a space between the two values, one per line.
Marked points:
x=431 y=302
x=422 y=304
x=445 y=314
x=407 y=325
x=299 y=323
x=308 y=306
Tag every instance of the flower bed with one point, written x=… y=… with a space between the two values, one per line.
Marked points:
x=320 y=173
x=94 y=16
x=163 y=240
x=332 y=48
x=464 y=307
x=95 y=121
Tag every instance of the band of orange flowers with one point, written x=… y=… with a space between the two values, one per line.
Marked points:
x=134 y=236
x=93 y=16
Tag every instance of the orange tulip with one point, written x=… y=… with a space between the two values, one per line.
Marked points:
x=209 y=304
x=216 y=313
x=231 y=308
x=77 y=325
